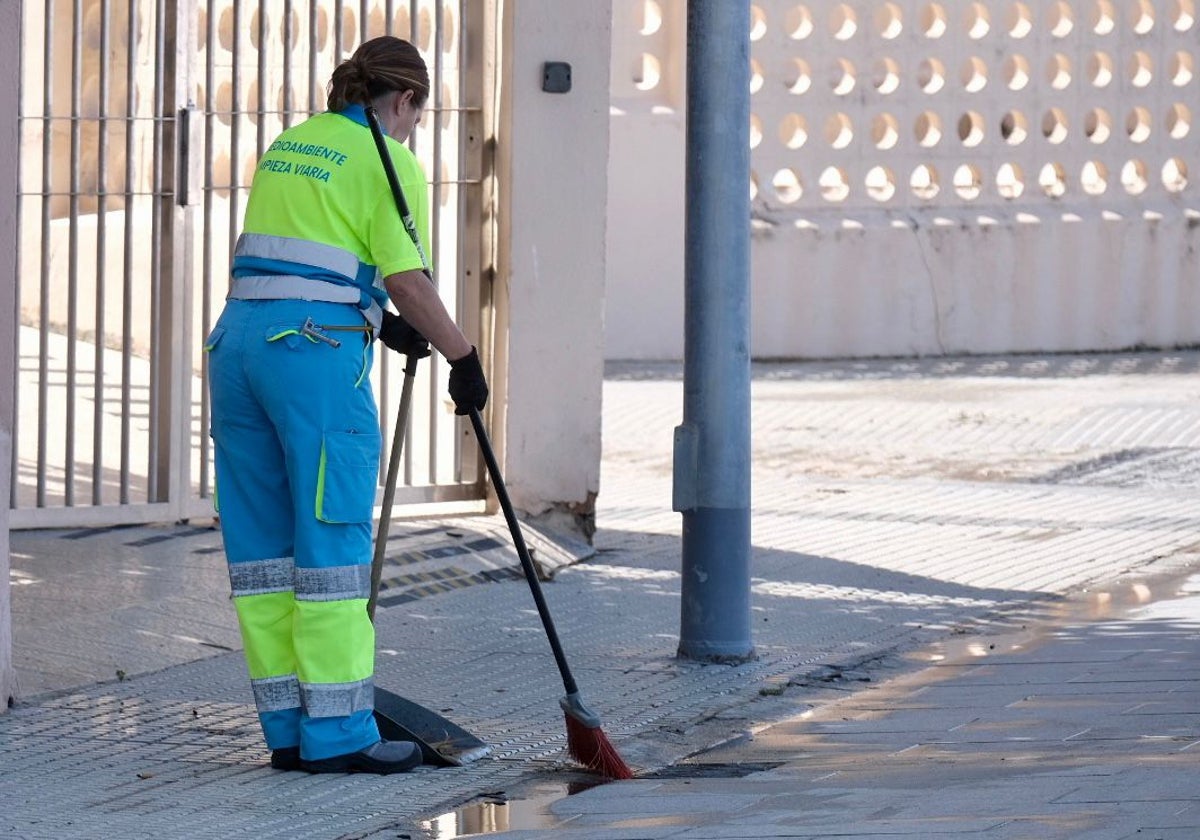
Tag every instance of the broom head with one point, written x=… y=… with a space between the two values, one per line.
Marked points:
x=587 y=743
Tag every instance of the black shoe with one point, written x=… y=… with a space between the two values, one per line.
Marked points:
x=286 y=758
x=382 y=757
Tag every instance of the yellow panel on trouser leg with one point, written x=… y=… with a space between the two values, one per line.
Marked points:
x=335 y=641
x=267 y=626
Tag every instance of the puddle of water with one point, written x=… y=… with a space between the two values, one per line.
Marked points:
x=496 y=813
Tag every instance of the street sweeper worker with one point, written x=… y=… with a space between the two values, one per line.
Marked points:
x=294 y=422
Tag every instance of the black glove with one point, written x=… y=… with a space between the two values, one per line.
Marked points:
x=400 y=336
x=468 y=388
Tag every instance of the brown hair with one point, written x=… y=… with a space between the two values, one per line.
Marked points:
x=378 y=66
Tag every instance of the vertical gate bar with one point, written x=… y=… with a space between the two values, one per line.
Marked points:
x=435 y=207
x=73 y=254
x=312 y=56
x=288 y=36
x=127 y=247
x=154 y=396
x=44 y=265
x=206 y=260
x=338 y=8
x=14 y=466
x=235 y=83
x=260 y=135
x=364 y=15
x=101 y=258
x=413 y=33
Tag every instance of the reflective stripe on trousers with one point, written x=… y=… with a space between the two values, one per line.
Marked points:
x=296 y=441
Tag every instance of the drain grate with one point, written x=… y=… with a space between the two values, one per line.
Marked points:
x=737 y=770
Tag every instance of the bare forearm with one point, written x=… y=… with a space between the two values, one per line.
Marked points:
x=418 y=302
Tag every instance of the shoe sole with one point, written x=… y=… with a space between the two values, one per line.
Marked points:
x=361 y=764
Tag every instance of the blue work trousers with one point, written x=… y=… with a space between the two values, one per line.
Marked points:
x=297 y=444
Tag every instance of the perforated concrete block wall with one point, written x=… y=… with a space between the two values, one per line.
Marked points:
x=927 y=177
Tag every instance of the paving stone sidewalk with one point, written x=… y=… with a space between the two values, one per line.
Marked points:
x=896 y=504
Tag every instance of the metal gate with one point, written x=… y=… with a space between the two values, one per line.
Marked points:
x=141 y=124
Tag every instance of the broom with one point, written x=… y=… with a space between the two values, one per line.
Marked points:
x=586 y=741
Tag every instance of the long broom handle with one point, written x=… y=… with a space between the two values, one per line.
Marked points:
x=389 y=487
x=389 y=169
x=514 y=526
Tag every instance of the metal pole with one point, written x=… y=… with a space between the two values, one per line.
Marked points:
x=712 y=447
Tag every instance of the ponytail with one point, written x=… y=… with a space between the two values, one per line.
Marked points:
x=378 y=66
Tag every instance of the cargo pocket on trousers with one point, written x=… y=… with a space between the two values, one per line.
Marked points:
x=346 y=477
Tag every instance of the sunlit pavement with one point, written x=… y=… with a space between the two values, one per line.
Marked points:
x=969 y=613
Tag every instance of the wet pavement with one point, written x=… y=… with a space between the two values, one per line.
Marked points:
x=1027 y=520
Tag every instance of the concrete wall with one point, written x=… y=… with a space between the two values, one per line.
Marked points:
x=552 y=150
x=10 y=32
x=926 y=178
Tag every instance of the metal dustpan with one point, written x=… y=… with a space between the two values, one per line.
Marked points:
x=443 y=742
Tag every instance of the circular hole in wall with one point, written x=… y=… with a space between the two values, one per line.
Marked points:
x=1016 y=72
x=931 y=75
x=652 y=17
x=978 y=21
x=839 y=131
x=756 y=133
x=842 y=77
x=1100 y=69
x=889 y=21
x=1175 y=175
x=880 y=183
x=647 y=72
x=787 y=186
x=968 y=181
x=793 y=131
x=758 y=23
x=1181 y=69
x=1141 y=69
x=1103 y=18
x=1179 y=121
x=1010 y=181
x=924 y=182
x=970 y=129
x=1014 y=128
x=223 y=105
x=885 y=131
x=1141 y=17
x=933 y=20
x=1183 y=15
x=797 y=76
x=798 y=23
x=1053 y=180
x=1058 y=71
x=928 y=129
x=1054 y=125
x=1020 y=20
x=1094 y=177
x=833 y=183
x=886 y=76
x=756 y=76
x=1097 y=125
x=1060 y=19
x=843 y=22
x=1135 y=177
x=973 y=74
x=1138 y=124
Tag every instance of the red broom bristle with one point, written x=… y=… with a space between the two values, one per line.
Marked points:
x=591 y=748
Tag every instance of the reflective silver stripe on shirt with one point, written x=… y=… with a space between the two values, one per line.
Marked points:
x=338 y=699
x=258 y=577
x=276 y=694
x=285 y=286
x=305 y=251
x=335 y=583
x=293 y=287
